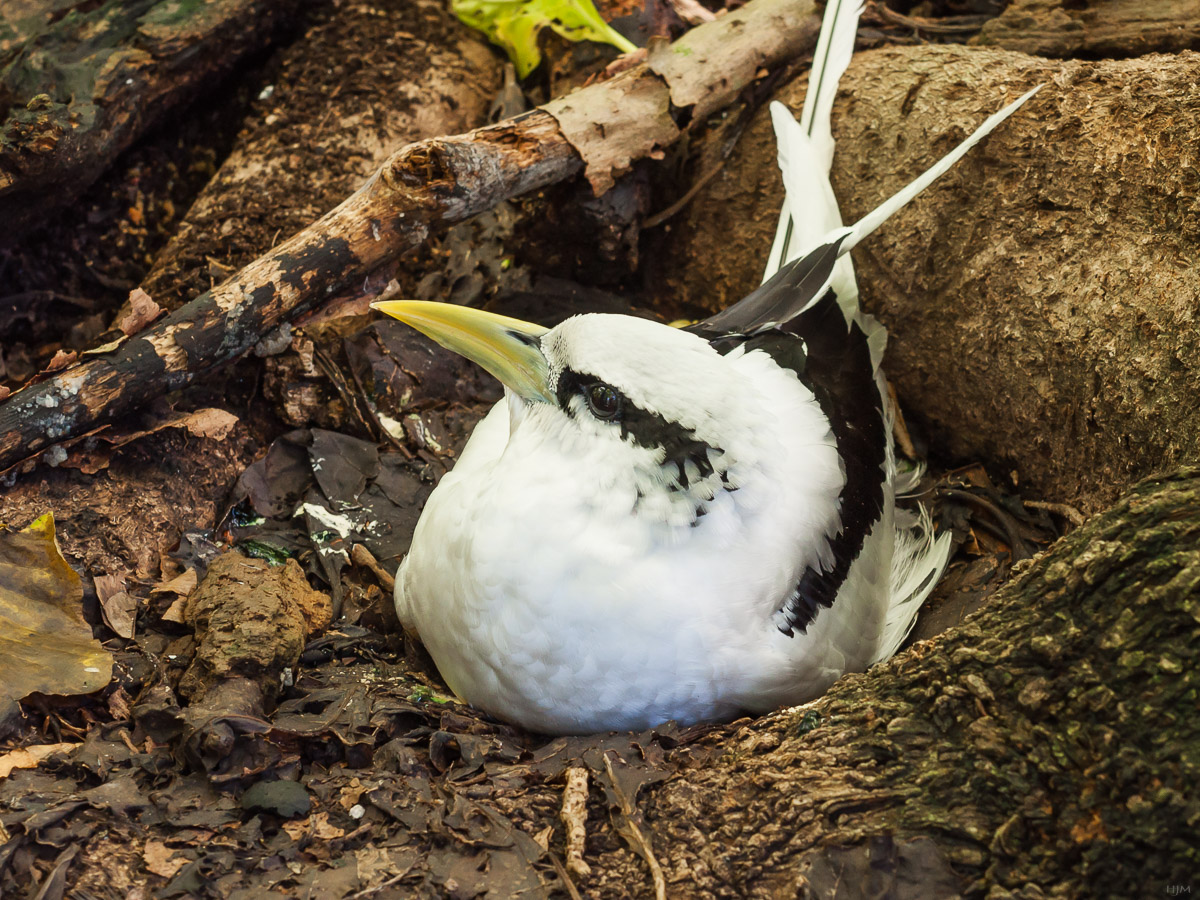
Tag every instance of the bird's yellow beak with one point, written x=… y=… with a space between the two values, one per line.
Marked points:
x=508 y=348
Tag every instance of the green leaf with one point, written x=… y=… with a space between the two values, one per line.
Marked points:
x=45 y=644
x=515 y=25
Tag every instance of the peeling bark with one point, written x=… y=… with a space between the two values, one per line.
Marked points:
x=423 y=187
x=1041 y=296
x=641 y=111
x=77 y=93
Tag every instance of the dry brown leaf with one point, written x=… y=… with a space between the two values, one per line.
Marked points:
x=210 y=423
x=323 y=829
x=46 y=645
x=117 y=607
x=104 y=348
x=143 y=311
x=120 y=614
x=351 y=794
x=108 y=586
x=119 y=705
x=61 y=360
x=174 y=612
x=182 y=584
x=162 y=860
x=297 y=829
x=4 y=392
x=29 y=757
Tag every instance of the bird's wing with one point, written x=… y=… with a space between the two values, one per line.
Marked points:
x=779 y=300
x=835 y=363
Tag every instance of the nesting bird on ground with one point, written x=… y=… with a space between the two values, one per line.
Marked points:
x=658 y=523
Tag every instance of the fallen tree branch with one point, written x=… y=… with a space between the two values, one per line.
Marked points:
x=436 y=77
x=1117 y=28
x=423 y=187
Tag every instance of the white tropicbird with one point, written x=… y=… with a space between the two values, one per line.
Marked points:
x=658 y=523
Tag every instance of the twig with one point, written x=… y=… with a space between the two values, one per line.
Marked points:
x=900 y=427
x=640 y=841
x=1070 y=513
x=565 y=877
x=128 y=741
x=658 y=218
x=1003 y=519
x=574 y=819
x=950 y=25
x=366 y=892
x=361 y=556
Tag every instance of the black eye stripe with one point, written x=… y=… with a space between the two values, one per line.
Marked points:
x=648 y=429
x=570 y=384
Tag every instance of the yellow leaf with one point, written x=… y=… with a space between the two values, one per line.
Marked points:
x=46 y=646
x=514 y=25
x=29 y=757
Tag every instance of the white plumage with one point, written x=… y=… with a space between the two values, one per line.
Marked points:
x=667 y=524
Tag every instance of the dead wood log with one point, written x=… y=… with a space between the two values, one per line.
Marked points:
x=1042 y=296
x=423 y=187
x=321 y=128
x=1047 y=747
x=77 y=93
x=1114 y=28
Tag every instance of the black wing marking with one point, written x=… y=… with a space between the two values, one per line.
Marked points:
x=778 y=300
x=834 y=361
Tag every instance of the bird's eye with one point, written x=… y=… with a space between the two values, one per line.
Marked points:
x=603 y=400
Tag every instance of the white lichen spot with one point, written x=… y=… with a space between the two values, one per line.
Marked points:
x=422 y=433
x=342 y=525
x=55 y=456
x=47 y=400
x=391 y=426
x=70 y=382
x=357 y=811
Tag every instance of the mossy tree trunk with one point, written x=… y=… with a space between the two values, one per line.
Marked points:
x=1050 y=746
